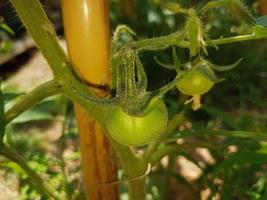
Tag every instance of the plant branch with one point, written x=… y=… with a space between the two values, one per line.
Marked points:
x=176 y=121
x=39 y=183
x=240 y=38
x=134 y=166
x=177 y=39
x=28 y=100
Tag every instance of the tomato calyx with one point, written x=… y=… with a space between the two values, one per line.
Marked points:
x=130 y=82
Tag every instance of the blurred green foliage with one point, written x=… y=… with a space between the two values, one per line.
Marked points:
x=6 y=44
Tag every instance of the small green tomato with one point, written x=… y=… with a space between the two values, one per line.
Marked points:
x=194 y=83
x=135 y=131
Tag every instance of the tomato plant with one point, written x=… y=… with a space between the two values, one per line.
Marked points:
x=132 y=115
x=137 y=130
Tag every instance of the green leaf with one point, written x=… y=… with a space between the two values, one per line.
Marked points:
x=40 y=112
x=242 y=158
x=33 y=115
x=8 y=97
x=13 y=166
x=7 y=29
x=2 y=115
x=260 y=30
x=262 y=21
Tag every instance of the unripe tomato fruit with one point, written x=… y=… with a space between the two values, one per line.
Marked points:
x=137 y=131
x=194 y=83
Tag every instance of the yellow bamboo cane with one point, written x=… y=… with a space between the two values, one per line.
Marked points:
x=87 y=33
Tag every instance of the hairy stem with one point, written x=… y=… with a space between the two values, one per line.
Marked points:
x=240 y=38
x=176 y=39
x=160 y=42
x=38 y=182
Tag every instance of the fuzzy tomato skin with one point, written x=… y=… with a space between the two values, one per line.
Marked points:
x=137 y=131
x=194 y=83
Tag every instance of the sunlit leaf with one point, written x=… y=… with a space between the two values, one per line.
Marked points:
x=262 y=21
x=41 y=112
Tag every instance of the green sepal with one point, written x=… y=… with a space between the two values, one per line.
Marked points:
x=176 y=62
x=166 y=66
x=224 y=68
x=209 y=74
x=131 y=81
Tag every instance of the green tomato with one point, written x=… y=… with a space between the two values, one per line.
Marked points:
x=137 y=131
x=194 y=83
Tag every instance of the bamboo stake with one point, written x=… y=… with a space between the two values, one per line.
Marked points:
x=87 y=33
